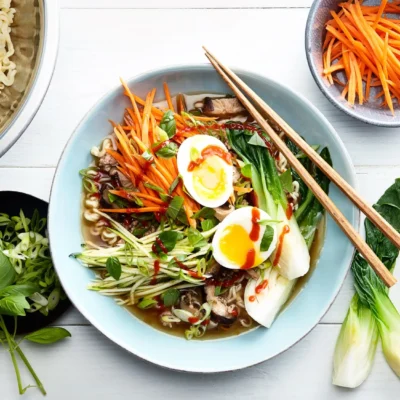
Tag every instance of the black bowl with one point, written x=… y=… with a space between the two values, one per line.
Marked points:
x=11 y=203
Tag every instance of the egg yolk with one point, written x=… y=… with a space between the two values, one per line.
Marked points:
x=235 y=244
x=209 y=178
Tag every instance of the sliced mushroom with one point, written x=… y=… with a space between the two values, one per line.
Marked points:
x=107 y=162
x=180 y=103
x=222 y=212
x=219 y=307
x=223 y=107
x=191 y=301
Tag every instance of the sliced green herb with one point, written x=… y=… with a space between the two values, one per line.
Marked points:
x=174 y=207
x=168 y=124
x=267 y=238
x=205 y=212
x=170 y=297
x=113 y=267
x=48 y=335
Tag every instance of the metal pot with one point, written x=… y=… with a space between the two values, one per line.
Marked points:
x=35 y=34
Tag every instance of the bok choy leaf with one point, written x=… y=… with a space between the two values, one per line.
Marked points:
x=354 y=354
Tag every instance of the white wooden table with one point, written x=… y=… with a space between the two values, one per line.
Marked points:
x=104 y=39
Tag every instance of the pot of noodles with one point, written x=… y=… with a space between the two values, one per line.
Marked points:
x=28 y=51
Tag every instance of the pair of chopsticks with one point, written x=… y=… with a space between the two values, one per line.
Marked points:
x=237 y=86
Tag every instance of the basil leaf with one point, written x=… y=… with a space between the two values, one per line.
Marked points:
x=286 y=181
x=168 y=239
x=147 y=303
x=113 y=267
x=267 y=238
x=48 y=335
x=14 y=305
x=217 y=290
x=205 y=212
x=208 y=224
x=174 y=207
x=168 y=151
x=168 y=124
x=246 y=170
x=196 y=239
x=170 y=297
x=26 y=290
x=7 y=271
x=174 y=184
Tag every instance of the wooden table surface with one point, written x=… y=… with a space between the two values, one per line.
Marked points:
x=102 y=40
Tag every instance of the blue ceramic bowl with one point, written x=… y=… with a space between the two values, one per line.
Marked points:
x=121 y=326
x=371 y=111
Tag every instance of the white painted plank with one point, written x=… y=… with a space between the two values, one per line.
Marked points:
x=92 y=58
x=89 y=366
x=161 y=4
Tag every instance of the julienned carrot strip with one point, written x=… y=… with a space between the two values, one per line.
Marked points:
x=168 y=97
x=364 y=42
x=133 y=100
x=134 y=210
x=242 y=189
x=146 y=117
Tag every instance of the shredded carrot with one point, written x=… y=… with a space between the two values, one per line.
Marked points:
x=242 y=189
x=363 y=44
x=168 y=97
x=133 y=210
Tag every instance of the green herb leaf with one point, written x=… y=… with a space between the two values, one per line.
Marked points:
x=146 y=303
x=170 y=297
x=7 y=271
x=286 y=180
x=205 y=212
x=168 y=151
x=14 y=305
x=113 y=267
x=165 y=197
x=196 y=239
x=168 y=239
x=168 y=124
x=26 y=289
x=154 y=187
x=174 y=184
x=246 y=170
x=265 y=222
x=208 y=224
x=174 y=207
x=267 y=238
x=48 y=335
x=217 y=291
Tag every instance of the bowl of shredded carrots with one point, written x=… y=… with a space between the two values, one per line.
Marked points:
x=353 y=51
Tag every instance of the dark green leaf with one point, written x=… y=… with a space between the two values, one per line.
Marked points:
x=113 y=267
x=14 y=305
x=154 y=187
x=217 y=290
x=174 y=207
x=170 y=297
x=174 y=184
x=205 y=212
x=146 y=303
x=286 y=180
x=26 y=289
x=168 y=124
x=208 y=224
x=168 y=239
x=267 y=238
x=7 y=271
x=48 y=335
x=168 y=151
x=196 y=239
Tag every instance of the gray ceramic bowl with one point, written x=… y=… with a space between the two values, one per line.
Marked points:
x=370 y=112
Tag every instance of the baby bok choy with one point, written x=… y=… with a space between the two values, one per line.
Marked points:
x=372 y=314
x=294 y=258
x=260 y=167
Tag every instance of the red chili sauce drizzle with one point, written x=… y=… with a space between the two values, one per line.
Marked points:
x=289 y=211
x=227 y=282
x=160 y=146
x=181 y=265
x=252 y=298
x=193 y=320
x=262 y=286
x=254 y=236
x=285 y=230
x=208 y=152
x=156 y=271
x=160 y=244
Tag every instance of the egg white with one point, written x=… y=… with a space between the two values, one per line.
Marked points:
x=199 y=142
x=242 y=217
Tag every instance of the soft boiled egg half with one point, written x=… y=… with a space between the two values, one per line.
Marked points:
x=205 y=166
x=241 y=242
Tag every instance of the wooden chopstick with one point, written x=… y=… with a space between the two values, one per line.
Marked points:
x=327 y=203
